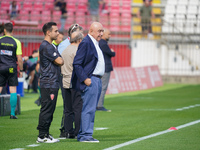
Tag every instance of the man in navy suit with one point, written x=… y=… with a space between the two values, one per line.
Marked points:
x=107 y=53
x=89 y=67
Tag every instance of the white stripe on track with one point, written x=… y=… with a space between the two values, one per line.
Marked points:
x=150 y=136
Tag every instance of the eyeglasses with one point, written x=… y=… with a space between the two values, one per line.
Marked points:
x=75 y=26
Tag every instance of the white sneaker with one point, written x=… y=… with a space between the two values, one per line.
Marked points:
x=48 y=139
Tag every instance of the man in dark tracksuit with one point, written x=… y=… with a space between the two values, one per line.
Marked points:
x=50 y=61
x=107 y=53
x=10 y=52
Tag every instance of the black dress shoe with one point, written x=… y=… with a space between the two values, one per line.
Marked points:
x=62 y=134
x=13 y=117
x=102 y=109
x=38 y=101
x=70 y=136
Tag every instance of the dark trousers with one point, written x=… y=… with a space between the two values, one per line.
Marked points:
x=62 y=128
x=35 y=83
x=48 y=105
x=73 y=107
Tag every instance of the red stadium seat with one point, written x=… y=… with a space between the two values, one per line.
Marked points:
x=126 y=2
x=126 y=28
x=70 y=20
x=3 y=14
x=115 y=2
x=126 y=9
x=126 y=18
x=82 y=7
x=38 y=6
x=51 y=1
x=115 y=21
x=114 y=8
x=71 y=7
x=24 y=15
x=103 y=18
x=5 y=5
x=80 y=20
x=46 y=16
x=83 y=1
x=114 y=28
x=56 y=16
x=48 y=6
x=114 y=15
x=35 y=16
x=27 y=5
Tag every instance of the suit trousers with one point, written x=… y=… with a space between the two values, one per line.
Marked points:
x=48 y=105
x=73 y=107
x=90 y=98
x=105 y=80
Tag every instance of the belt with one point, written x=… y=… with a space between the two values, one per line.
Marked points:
x=98 y=76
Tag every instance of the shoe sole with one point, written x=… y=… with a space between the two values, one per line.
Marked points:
x=47 y=142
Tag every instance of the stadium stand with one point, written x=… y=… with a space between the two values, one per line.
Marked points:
x=178 y=46
x=176 y=30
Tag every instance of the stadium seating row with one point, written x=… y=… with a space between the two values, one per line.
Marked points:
x=182 y=16
x=71 y=6
x=183 y=2
x=119 y=16
x=180 y=9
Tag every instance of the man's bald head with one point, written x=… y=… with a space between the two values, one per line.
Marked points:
x=96 y=30
x=106 y=35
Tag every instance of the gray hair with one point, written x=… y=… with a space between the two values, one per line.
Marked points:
x=74 y=28
x=76 y=39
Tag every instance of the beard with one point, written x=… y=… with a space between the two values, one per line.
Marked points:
x=107 y=40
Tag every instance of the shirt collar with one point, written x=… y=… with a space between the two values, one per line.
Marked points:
x=93 y=40
x=54 y=42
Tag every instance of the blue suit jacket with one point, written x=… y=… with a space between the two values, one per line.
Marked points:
x=84 y=63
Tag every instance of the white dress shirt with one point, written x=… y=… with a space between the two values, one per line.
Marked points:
x=100 y=67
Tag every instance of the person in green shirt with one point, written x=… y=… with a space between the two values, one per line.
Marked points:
x=93 y=6
x=10 y=53
x=58 y=40
x=145 y=13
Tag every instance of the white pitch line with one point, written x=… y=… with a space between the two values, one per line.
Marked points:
x=150 y=136
x=18 y=149
x=33 y=145
x=101 y=128
x=191 y=106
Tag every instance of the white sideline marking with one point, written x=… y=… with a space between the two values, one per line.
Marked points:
x=191 y=106
x=33 y=145
x=18 y=149
x=128 y=97
x=150 y=136
x=158 y=109
x=101 y=128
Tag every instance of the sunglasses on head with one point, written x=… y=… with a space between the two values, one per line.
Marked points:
x=75 y=26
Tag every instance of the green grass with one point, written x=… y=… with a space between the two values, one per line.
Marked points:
x=134 y=115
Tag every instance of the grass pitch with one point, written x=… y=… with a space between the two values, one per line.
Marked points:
x=134 y=115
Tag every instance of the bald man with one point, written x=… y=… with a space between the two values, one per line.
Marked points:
x=108 y=54
x=72 y=97
x=89 y=67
